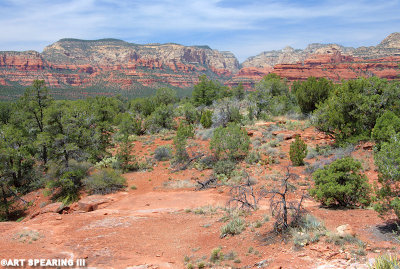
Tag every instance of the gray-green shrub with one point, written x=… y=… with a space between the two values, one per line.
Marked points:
x=231 y=142
x=104 y=181
x=162 y=153
x=233 y=227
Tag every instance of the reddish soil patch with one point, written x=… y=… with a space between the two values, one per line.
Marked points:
x=159 y=224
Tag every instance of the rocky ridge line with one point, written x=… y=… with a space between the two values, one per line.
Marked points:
x=119 y=65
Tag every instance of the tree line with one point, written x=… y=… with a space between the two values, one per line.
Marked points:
x=53 y=143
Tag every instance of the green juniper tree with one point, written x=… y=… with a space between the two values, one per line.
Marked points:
x=207 y=91
x=387 y=159
x=184 y=132
x=311 y=92
x=298 y=151
x=33 y=105
x=341 y=183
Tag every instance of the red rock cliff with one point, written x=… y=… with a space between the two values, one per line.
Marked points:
x=330 y=61
x=119 y=65
x=111 y=63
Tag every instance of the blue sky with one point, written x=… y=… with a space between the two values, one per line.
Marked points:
x=245 y=28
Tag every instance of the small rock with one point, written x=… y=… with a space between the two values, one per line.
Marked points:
x=262 y=263
x=344 y=230
x=58 y=218
x=144 y=266
x=332 y=254
x=368 y=146
x=50 y=208
x=87 y=207
x=288 y=136
x=54 y=207
x=91 y=203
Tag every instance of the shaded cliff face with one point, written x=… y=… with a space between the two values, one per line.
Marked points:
x=115 y=64
x=331 y=61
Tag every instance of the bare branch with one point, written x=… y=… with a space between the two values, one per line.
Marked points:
x=244 y=196
x=186 y=165
x=206 y=184
x=281 y=208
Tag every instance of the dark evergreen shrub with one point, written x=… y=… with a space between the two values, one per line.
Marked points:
x=387 y=160
x=311 y=92
x=351 y=111
x=65 y=182
x=206 y=119
x=180 y=141
x=341 y=184
x=161 y=118
x=386 y=126
x=298 y=151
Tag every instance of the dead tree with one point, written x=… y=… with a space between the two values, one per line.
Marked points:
x=281 y=207
x=206 y=184
x=243 y=196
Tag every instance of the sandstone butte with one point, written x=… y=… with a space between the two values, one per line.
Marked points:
x=116 y=64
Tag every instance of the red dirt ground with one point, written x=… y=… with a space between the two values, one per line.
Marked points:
x=152 y=226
